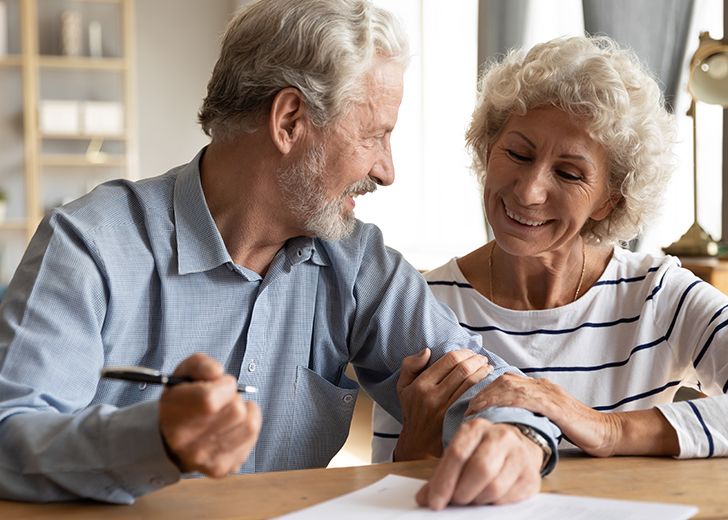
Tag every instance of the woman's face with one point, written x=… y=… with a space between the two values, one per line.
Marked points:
x=545 y=178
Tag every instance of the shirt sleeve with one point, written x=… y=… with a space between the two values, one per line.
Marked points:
x=55 y=443
x=385 y=433
x=397 y=316
x=698 y=336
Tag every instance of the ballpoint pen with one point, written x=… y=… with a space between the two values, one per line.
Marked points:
x=155 y=377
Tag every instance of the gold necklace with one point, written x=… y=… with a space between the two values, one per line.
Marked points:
x=578 y=286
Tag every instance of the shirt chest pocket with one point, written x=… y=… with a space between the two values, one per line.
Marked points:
x=321 y=418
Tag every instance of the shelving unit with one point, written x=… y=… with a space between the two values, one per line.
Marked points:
x=48 y=158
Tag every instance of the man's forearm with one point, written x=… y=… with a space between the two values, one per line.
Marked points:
x=107 y=455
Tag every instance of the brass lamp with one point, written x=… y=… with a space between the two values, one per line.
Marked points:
x=708 y=82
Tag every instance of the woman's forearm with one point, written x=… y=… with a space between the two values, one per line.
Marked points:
x=645 y=432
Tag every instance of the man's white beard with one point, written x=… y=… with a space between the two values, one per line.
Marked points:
x=304 y=195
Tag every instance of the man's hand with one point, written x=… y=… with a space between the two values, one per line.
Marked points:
x=426 y=394
x=206 y=425
x=594 y=432
x=485 y=463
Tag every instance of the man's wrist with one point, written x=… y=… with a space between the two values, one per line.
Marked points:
x=539 y=440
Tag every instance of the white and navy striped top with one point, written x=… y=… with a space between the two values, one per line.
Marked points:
x=645 y=328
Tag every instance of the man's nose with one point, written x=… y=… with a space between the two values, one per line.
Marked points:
x=383 y=170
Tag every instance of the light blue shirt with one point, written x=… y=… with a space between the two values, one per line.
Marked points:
x=136 y=273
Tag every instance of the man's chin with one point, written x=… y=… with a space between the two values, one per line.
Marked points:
x=335 y=231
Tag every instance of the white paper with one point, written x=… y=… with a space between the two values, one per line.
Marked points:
x=393 y=498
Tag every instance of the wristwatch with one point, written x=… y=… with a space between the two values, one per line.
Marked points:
x=540 y=440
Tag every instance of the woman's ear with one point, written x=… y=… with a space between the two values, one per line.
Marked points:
x=288 y=120
x=604 y=209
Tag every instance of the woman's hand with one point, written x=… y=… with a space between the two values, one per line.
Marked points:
x=596 y=433
x=426 y=394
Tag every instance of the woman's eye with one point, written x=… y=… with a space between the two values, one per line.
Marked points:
x=517 y=156
x=568 y=176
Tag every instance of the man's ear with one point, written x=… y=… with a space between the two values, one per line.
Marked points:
x=288 y=119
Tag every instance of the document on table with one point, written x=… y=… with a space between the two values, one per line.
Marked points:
x=393 y=498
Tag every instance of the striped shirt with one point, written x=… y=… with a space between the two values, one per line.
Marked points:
x=644 y=329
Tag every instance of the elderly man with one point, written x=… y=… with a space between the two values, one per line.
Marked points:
x=244 y=266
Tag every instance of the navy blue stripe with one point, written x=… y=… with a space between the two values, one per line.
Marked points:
x=656 y=289
x=680 y=304
x=711 y=447
x=627 y=280
x=587 y=324
x=386 y=435
x=717 y=314
x=708 y=343
x=451 y=284
x=594 y=368
x=636 y=397
x=489 y=328
x=614 y=364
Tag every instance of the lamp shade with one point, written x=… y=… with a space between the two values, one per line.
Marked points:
x=708 y=81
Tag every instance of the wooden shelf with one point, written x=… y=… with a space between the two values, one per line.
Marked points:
x=80 y=63
x=112 y=2
x=10 y=60
x=44 y=73
x=82 y=160
x=13 y=225
x=83 y=137
x=96 y=1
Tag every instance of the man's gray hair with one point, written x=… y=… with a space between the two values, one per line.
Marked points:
x=607 y=87
x=321 y=47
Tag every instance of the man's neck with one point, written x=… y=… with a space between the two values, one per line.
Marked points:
x=239 y=183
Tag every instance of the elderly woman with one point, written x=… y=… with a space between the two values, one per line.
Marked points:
x=572 y=146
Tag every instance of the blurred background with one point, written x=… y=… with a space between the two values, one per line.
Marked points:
x=92 y=90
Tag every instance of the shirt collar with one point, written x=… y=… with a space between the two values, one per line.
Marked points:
x=199 y=244
x=301 y=249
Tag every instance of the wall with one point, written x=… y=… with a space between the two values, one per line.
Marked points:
x=177 y=45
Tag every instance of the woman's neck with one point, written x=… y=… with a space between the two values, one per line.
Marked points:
x=538 y=282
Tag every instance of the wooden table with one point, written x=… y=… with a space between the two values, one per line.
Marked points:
x=703 y=483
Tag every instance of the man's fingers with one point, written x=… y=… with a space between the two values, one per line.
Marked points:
x=447 y=474
x=412 y=366
x=230 y=437
x=464 y=375
x=524 y=487
x=203 y=397
x=489 y=474
x=199 y=367
x=442 y=368
x=422 y=496
x=222 y=442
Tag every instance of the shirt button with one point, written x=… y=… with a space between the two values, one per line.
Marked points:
x=142 y=386
x=252 y=367
x=299 y=252
x=348 y=398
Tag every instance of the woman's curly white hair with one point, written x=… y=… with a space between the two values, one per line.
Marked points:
x=623 y=108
